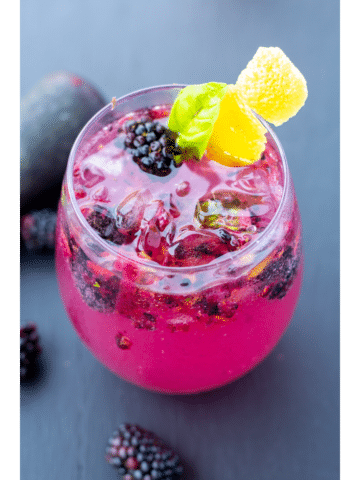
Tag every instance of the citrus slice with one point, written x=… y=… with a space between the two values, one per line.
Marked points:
x=272 y=86
x=238 y=137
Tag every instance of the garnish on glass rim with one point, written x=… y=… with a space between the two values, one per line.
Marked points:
x=272 y=86
x=238 y=137
x=219 y=118
x=194 y=114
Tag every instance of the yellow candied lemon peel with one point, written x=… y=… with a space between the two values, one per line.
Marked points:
x=272 y=86
x=238 y=137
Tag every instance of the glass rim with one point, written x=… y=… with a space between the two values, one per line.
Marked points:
x=116 y=251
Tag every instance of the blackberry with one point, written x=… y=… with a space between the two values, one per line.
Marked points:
x=146 y=321
x=216 y=306
x=135 y=304
x=208 y=304
x=152 y=146
x=138 y=454
x=104 y=223
x=38 y=229
x=98 y=287
x=203 y=249
x=29 y=350
x=280 y=274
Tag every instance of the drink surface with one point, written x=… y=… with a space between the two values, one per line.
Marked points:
x=213 y=324
x=198 y=212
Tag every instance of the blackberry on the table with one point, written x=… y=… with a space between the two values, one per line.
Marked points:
x=38 y=229
x=29 y=350
x=152 y=146
x=138 y=454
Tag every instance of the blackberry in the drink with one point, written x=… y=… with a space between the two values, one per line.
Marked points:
x=152 y=146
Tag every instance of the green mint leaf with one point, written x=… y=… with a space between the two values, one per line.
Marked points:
x=194 y=114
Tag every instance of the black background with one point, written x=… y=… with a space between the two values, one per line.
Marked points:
x=281 y=421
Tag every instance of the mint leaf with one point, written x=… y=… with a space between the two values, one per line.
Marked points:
x=194 y=114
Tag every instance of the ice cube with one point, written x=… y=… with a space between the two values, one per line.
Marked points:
x=101 y=194
x=155 y=244
x=262 y=213
x=157 y=232
x=108 y=160
x=161 y=213
x=156 y=214
x=130 y=211
x=198 y=248
x=152 y=238
x=91 y=175
x=169 y=204
x=224 y=209
x=250 y=181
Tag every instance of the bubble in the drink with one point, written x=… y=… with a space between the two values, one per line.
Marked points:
x=183 y=188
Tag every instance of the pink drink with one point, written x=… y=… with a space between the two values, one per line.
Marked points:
x=182 y=282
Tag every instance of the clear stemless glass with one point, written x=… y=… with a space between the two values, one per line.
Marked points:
x=176 y=329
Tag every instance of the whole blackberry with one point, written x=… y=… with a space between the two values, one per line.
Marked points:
x=138 y=454
x=38 y=229
x=29 y=350
x=152 y=146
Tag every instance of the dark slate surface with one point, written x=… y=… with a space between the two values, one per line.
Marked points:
x=281 y=421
